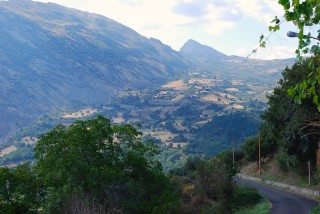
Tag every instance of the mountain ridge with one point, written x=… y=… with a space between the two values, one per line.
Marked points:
x=196 y=49
x=52 y=57
x=209 y=60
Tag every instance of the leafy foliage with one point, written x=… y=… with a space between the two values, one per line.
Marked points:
x=267 y=143
x=303 y=14
x=245 y=197
x=209 y=187
x=20 y=190
x=90 y=165
x=218 y=189
x=214 y=136
x=284 y=120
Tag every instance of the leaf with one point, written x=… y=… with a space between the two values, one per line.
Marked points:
x=289 y=16
x=309 y=75
x=285 y=4
x=291 y=92
x=312 y=91
x=316 y=99
x=261 y=38
x=275 y=20
x=295 y=2
x=297 y=100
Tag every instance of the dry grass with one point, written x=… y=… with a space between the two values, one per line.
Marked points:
x=271 y=171
x=232 y=89
x=119 y=118
x=164 y=136
x=208 y=82
x=176 y=85
x=237 y=106
x=215 y=99
x=7 y=150
x=82 y=113
x=178 y=97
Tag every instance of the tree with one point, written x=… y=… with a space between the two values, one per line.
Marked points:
x=20 y=190
x=215 y=179
x=303 y=14
x=104 y=164
x=267 y=141
x=284 y=120
x=250 y=149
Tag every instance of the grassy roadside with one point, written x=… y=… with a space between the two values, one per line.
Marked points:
x=263 y=207
x=315 y=210
x=271 y=171
x=249 y=201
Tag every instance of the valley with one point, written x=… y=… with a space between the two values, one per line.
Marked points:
x=78 y=65
x=98 y=118
x=172 y=114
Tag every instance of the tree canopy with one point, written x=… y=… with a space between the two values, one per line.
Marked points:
x=91 y=166
x=284 y=121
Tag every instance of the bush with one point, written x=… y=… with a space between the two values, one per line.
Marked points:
x=245 y=197
x=215 y=181
x=315 y=210
x=285 y=161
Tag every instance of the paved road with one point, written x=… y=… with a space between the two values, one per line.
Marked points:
x=282 y=202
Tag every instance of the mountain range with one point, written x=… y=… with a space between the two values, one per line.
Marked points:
x=52 y=57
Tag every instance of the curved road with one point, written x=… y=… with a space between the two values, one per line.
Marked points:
x=282 y=202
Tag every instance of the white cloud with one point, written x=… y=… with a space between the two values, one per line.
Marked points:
x=262 y=10
x=275 y=52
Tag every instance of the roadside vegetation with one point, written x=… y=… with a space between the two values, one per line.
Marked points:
x=288 y=134
x=263 y=207
x=93 y=166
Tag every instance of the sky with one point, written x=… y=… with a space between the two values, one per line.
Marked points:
x=232 y=27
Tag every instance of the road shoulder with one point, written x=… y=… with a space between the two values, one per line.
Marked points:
x=290 y=188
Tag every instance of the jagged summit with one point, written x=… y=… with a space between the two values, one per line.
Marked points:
x=195 y=49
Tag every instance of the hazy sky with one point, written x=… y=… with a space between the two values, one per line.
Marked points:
x=230 y=26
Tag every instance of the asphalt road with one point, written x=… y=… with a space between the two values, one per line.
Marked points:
x=282 y=202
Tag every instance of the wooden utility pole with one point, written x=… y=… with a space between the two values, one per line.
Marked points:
x=259 y=144
x=233 y=151
x=309 y=169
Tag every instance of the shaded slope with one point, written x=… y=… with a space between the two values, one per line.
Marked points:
x=52 y=56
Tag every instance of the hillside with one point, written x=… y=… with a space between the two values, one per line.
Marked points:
x=216 y=63
x=55 y=58
x=52 y=56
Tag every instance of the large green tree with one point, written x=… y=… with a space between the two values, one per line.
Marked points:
x=96 y=165
x=284 y=121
